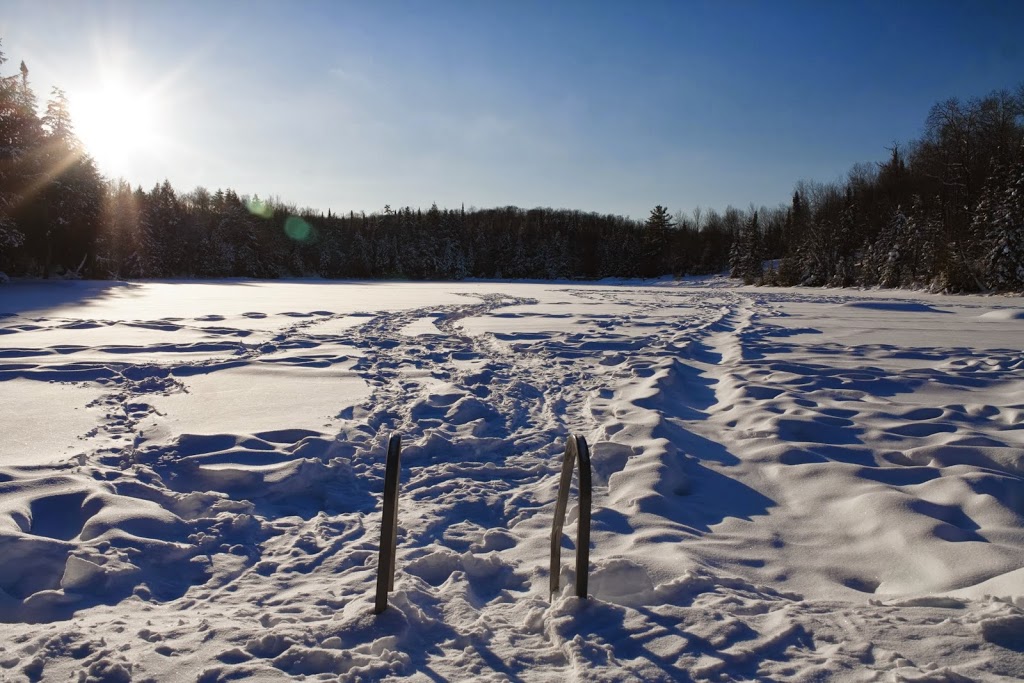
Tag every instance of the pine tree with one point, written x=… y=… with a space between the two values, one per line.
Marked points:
x=750 y=252
x=791 y=265
x=73 y=193
x=843 y=275
x=659 y=220
x=361 y=257
x=332 y=257
x=656 y=252
x=20 y=134
x=921 y=245
x=159 y=252
x=10 y=236
x=867 y=264
x=1000 y=219
x=119 y=229
x=891 y=249
x=736 y=258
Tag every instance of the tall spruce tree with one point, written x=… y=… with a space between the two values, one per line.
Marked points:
x=73 y=193
x=20 y=171
x=750 y=251
x=10 y=236
x=1000 y=221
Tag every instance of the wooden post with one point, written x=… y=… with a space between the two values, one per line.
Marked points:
x=389 y=526
x=575 y=451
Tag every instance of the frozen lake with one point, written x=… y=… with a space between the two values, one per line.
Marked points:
x=789 y=483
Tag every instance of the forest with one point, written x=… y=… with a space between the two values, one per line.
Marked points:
x=944 y=212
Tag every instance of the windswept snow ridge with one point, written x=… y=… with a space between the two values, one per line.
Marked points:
x=788 y=484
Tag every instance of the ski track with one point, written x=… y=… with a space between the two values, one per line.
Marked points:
x=254 y=555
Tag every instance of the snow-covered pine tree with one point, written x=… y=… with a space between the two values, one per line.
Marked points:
x=866 y=265
x=791 y=268
x=160 y=254
x=360 y=256
x=844 y=268
x=74 y=192
x=736 y=257
x=217 y=256
x=751 y=251
x=1000 y=218
x=891 y=250
x=21 y=138
x=921 y=244
x=331 y=257
x=816 y=253
x=451 y=263
x=555 y=257
x=655 y=243
x=10 y=236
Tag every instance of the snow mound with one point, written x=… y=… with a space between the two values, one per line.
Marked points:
x=1003 y=314
x=71 y=541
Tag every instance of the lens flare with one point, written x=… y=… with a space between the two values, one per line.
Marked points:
x=259 y=208
x=298 y=229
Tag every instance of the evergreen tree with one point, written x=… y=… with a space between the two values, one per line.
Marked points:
x=1000 y=219
x=843 y=275
x=10 y=236
x=791 y=266
x=891 y=250
x=736 y=258
x=20 y=141
x=747 y=255
x=659 y=220
x=655 y=244
x=159 y=251
x=921 y=245
x=73 y=194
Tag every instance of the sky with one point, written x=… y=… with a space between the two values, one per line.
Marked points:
x=611 y=107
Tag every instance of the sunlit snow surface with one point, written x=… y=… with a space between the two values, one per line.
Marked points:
x=789 y=484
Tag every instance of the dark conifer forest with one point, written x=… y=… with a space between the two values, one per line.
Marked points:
x=944 y=212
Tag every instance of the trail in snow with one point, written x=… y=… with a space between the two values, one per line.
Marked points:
x=787 y=484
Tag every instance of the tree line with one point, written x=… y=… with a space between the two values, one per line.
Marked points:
x=945 y=212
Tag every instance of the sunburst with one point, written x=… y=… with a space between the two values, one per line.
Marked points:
x=119 y=123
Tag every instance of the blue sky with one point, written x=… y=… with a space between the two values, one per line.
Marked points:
x=609 y=107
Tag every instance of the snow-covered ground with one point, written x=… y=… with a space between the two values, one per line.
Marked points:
x=789 y=484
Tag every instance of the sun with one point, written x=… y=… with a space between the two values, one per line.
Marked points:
x=119 y=124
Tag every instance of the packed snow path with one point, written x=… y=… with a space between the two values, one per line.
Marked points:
x=788 y=484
